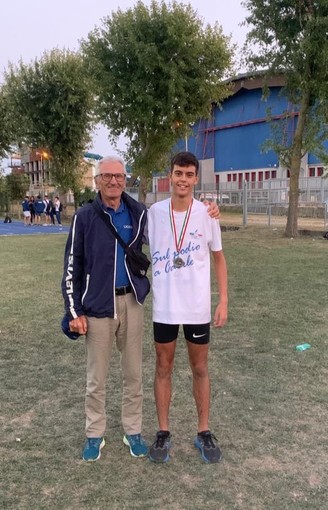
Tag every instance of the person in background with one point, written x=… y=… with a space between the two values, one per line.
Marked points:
x=32 y=210
x=26 y=211
x=52 y=213
x=58 y=208
x=39 y=209
x=47 y=208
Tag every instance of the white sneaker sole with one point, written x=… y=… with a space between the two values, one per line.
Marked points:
x=126 y=442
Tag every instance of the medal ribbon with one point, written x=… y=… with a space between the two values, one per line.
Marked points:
x=179 y=242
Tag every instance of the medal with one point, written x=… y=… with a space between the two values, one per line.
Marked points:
x=178 y=262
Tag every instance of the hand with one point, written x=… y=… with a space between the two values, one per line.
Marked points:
x=79 y=325
x=221 y=315
x=213 y=209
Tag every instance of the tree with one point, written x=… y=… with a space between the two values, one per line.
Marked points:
x=8 y=126
x=53 y=99
x=4 y=198
x=157 y=69
x=17 y=185
x=290 y=37
x=86 y=195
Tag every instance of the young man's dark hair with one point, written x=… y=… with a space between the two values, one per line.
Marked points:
x=185 y=159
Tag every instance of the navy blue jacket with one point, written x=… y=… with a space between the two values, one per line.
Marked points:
x=39 y=206
x=25 y=206
x=88 y=283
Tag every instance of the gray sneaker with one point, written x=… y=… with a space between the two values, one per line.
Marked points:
x=159 y=450
x=206 y=443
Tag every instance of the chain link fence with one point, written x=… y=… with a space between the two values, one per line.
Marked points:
x=267 y=198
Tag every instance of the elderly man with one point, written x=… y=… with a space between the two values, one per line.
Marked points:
x=103 y=301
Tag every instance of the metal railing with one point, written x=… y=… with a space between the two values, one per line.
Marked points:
x=268 y=197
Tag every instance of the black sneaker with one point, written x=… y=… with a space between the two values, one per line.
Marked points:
x=209 y=451
x=159 y=450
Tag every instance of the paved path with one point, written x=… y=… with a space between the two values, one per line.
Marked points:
x=17 y=228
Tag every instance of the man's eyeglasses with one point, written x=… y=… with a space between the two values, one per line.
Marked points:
x=109 y=177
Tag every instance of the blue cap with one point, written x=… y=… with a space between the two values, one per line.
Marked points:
x=65 y=328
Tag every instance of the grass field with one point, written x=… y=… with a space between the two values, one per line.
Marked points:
x=269 y=401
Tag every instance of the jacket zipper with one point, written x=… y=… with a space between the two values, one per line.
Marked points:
x=136 y=236
x=114 y=279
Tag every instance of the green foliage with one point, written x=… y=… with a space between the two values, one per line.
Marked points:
x=53 y=99
x=157 y=69
x=17 y=185
x=313 y=140
x=85 y=195
x=8 y=127
x=290 y=38
x=4 y=199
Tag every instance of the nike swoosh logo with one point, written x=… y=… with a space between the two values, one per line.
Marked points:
x=197 y=336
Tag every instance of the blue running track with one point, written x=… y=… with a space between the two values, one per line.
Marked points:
x=17 y=228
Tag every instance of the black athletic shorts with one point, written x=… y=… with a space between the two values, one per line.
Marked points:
x=194 y=333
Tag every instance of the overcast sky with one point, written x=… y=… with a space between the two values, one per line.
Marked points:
x=28 y=28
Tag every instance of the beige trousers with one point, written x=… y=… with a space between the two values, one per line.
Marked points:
x=127 y=331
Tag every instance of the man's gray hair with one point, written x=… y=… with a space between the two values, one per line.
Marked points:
x=109 y=159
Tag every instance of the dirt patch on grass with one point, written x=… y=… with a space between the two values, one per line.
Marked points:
x=266 y=463
x=314 y=480
x=190 y=481
x=23 y=420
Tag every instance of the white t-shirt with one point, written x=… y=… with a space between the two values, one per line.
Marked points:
x=182 y=295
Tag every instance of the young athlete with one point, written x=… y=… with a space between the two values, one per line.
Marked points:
x=182 y=237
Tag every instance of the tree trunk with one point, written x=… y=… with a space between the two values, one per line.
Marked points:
x=76 y=196
x=295 y=165
x=292 y=217
x=142 y=194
